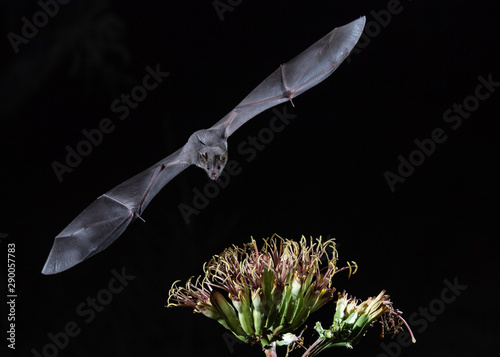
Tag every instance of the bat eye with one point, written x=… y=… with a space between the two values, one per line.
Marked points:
x=218 y=167
x=208 y=167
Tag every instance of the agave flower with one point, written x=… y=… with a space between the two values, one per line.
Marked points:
x=269 y=292
x=352 y=319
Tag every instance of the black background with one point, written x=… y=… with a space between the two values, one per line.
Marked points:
x=322 y=175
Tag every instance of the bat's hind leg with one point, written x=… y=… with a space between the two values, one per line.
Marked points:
x=287 y=93
x=135 y=214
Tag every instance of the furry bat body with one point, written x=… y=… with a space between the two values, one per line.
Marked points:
x=101 y=223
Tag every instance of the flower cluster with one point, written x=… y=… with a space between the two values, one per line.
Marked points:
x=352 y=319
x=270 y=292
x=263 y=296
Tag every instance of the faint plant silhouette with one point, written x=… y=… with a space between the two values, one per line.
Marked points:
x=95 y=44
x=86 y=43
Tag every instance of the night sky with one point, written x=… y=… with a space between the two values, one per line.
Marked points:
x=394 y=156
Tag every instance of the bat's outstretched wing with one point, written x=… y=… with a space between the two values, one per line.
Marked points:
x=296 y=76
x=101 y=223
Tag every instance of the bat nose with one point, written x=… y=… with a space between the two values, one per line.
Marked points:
x=213 y=176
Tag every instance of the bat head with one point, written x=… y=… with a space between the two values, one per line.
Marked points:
x=213 y=160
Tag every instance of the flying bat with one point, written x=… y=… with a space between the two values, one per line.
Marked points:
x=101 y=223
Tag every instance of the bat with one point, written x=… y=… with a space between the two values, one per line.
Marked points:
x=101 y=223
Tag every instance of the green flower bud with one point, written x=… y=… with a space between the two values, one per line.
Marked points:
x=352 y=319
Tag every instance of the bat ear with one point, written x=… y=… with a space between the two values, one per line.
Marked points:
x=203 y=156
x=223 y=158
